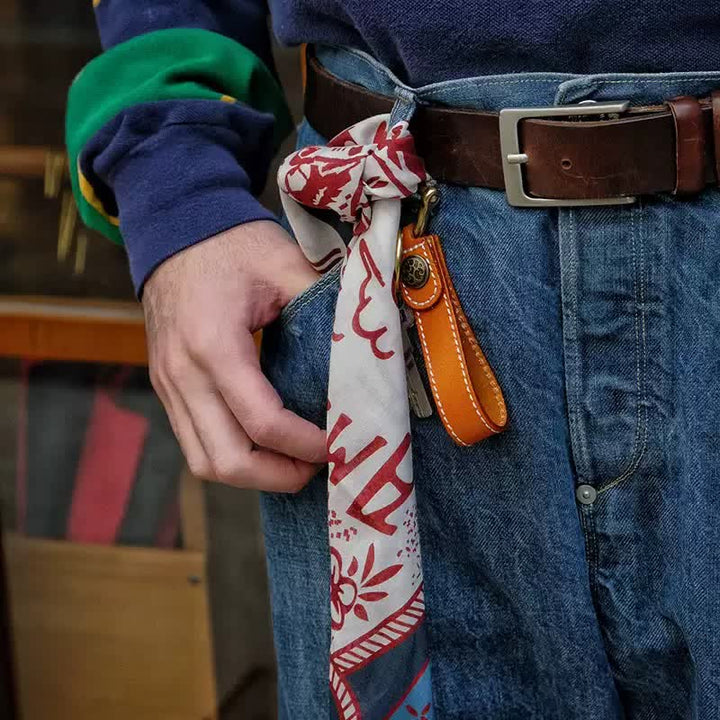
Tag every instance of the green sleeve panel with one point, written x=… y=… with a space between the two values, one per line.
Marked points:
x=162 y=65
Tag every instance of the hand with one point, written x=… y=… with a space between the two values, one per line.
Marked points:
x=202 y=307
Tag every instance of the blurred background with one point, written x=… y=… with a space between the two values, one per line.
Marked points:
x=130 y=589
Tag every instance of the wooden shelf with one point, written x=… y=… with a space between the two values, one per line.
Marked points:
x=28 y=161
x=53 y=328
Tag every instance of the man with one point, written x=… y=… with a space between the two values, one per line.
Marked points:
x=571 y=564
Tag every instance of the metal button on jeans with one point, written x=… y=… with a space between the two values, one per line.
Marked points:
x=586 y=494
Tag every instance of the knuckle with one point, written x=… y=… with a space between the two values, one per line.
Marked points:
x=294 y=483
x=156 y=379
x=204 y=343
x=176 y=364
x=198 y=467
x=294 y=487
x=261 y=429
x=229 y=469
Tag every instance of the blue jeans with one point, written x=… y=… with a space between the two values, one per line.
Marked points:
x=572 y=564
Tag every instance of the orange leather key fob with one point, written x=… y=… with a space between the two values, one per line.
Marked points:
x=467 y=395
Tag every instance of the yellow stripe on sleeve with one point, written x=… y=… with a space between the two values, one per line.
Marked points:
x=88 y=192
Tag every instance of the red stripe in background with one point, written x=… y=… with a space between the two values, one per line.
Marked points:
x=106 y=472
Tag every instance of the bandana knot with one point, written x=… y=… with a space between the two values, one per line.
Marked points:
x=360 y=165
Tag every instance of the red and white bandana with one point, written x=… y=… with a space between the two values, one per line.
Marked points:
x=378 y=655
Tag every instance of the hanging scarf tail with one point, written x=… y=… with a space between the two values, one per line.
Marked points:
x=379 y=664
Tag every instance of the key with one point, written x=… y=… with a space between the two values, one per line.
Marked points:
x=418 y=397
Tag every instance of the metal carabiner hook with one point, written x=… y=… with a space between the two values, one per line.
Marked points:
x=428 y=199
x=429 y=196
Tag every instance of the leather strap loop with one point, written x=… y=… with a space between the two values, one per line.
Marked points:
x=689 y=145
x=467 y=395
x=716 y=130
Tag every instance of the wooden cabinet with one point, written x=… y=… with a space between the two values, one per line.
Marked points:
x=111 y=632
x=114 y=632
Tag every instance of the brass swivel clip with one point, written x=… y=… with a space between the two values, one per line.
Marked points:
x=429 y=196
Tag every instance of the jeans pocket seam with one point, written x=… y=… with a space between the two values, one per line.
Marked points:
x=641 y=408
x=308 y=295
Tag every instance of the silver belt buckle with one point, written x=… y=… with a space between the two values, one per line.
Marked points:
x=513 y=158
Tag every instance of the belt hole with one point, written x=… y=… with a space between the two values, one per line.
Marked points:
x=566 y=163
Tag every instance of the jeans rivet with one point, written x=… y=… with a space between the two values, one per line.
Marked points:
x=586 y=494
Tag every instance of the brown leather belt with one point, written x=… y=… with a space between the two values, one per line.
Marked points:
x=598 y=153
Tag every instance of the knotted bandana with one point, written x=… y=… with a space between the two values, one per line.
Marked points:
x=379 y=667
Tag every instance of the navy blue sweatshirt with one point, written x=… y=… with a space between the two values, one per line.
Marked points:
x=179 y=170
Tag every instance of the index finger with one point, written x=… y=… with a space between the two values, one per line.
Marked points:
x=260 y=411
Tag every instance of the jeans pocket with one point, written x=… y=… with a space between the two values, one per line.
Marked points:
x=306 y=297
x=295 y=352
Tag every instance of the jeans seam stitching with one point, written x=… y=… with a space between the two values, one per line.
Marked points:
x=641 y=426
x=570 y=86
x=587 y=522
x=578 y=440
x=646 y=81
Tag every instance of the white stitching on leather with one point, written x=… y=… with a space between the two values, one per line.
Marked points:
x=464 y=326
x=436 y=392
x=458 y=349
x=413 y=247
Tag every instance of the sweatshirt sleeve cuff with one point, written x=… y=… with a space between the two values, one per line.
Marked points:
x=183 y=184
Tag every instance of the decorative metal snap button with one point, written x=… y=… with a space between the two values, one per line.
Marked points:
x=414 y=271
x=586 y=494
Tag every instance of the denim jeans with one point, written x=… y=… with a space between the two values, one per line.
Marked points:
x=572 y=563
